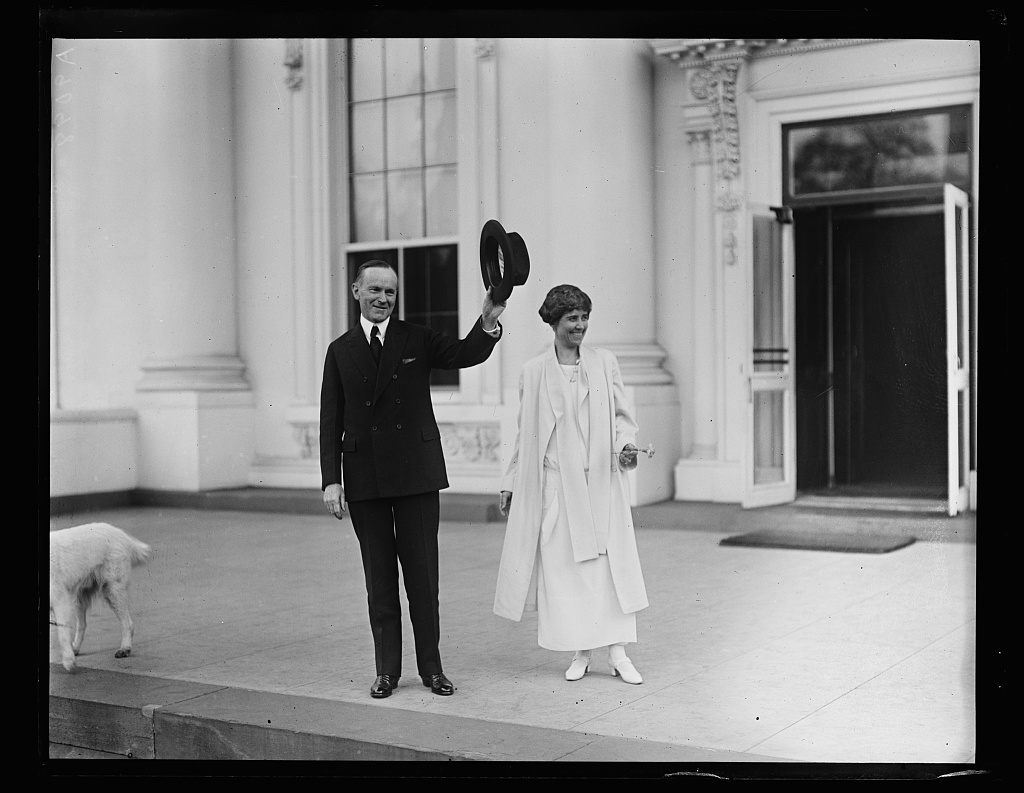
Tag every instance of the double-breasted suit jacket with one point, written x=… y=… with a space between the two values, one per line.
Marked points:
x=378 y=423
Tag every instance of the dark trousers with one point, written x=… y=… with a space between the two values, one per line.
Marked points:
x=403 y=529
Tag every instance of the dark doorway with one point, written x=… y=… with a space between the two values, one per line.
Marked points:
x=870 y=350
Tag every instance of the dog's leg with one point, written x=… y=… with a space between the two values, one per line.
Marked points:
x=116 y=594
x=64 y=616
x=81 y=609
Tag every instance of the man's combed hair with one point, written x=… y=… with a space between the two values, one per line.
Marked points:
x=561 y=300
x=373 y=263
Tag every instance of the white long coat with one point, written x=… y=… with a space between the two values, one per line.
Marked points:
x=595 y=504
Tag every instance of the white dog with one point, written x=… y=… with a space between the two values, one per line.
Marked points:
x=86 y=561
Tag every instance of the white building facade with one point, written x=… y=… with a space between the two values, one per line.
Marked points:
x=210 y=199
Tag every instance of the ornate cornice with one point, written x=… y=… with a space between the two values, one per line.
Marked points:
x=293 y=60
x=696 y=52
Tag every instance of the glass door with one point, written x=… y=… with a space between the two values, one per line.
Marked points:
x=771 y=399
x=955 y=227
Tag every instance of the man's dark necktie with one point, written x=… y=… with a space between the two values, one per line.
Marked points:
x=375 y=345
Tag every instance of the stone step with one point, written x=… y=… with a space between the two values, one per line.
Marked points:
x=104 y=713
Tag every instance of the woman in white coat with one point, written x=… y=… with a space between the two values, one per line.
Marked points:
x=570 y=551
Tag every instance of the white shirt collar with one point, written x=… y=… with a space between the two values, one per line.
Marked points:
x=368 y=326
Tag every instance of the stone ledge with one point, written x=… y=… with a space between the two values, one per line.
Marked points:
x=455 y=507
x=157 y=718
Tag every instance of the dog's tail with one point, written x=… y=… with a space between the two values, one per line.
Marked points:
x=140 y=552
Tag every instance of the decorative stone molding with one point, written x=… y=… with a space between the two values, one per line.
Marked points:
x=485 y=48
x=471 y=442
x=194 y=373
x=293 y=60
x=716 y=65
x=700 y=146
x=691 y=52
x=641 y=364
x=715 y=84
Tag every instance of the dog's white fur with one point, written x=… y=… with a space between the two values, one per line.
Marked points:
x=85 y=562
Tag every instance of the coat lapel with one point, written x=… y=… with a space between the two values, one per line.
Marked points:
x=360 y=352
x=602 y=451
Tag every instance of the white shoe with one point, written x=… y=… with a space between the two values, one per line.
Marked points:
x=579 y=666
x=626 y=671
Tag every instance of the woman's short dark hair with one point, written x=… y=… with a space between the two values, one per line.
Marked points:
x=561 y=300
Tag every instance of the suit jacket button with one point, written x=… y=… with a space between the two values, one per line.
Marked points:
x=364 y=379
x=394 y=377
x=399 y=426
x=374 y=428
x=367 y=404
x=398 y=401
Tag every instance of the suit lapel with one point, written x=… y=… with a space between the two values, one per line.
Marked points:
x=360 y=352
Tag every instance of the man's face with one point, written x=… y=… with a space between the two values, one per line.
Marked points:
x=376 y=292
x=572 y=327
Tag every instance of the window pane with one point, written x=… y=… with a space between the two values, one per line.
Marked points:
x=439 y=135
x=405 y=204
x=354 y=261
x=768 y=444
x=366 y=57
x=367 y=137
x=404 y=72
x=368 y=207
x=430 y=285
x=405 y=132
x=438 y=64
x=898 y=150
x=431 y=280
x=442 y=201
x=770 y=353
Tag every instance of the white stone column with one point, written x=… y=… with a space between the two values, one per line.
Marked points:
x=705 y=302
x=601 y=200
x=195 y=406
x=712 y=471
x=312 y=82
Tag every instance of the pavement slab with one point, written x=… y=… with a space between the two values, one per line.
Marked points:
x=252 y=641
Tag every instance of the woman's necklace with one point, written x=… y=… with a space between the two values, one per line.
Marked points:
x=574 y=374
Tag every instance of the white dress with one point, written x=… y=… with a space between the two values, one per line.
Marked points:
x=577 y=608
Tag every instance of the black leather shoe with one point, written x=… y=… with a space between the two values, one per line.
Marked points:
x=383 y=686
x=439 y=684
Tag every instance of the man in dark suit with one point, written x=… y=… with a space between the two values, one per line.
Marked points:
x=377 y=426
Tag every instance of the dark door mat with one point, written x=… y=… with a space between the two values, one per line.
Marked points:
x=843 y=542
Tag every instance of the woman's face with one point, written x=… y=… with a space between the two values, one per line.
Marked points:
x=572 y=327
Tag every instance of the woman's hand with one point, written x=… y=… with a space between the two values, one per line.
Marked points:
x=504 y=502
x=627 y=457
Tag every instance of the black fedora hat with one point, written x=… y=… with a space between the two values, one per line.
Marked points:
x=514 y=264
